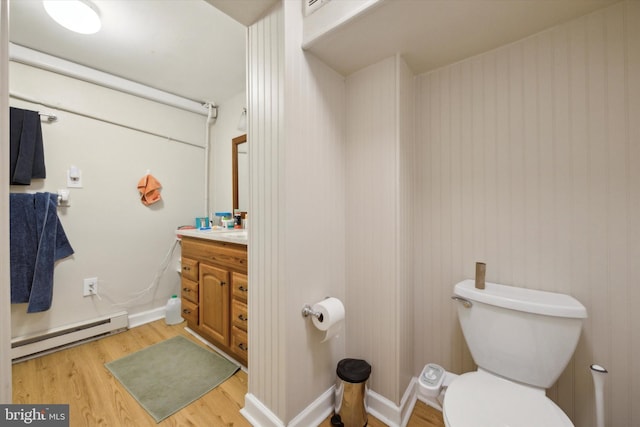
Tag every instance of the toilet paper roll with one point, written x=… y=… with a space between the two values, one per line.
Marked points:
x=331 y=319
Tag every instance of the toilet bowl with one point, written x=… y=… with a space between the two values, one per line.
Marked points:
x=479 y=399
x=521 y=340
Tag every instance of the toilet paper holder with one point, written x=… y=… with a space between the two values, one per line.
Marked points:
x=308 y=311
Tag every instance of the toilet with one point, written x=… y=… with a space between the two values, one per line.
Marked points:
x=521 y=339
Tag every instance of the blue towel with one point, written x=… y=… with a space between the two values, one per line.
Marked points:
x=37 y=241
x=26 y=153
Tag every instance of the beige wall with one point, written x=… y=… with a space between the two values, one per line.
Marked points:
x=379 y=214
x=222 y=132
x=296 y=248
x=314 y=224
x=406 y=202
x=372 y=235
x=266 y=341
x=311 y=188
x=526 y=157
x=529 y=159
x=115 y=237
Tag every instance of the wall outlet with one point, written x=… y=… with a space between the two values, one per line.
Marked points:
x=90 y=286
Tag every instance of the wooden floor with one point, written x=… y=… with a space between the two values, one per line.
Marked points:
x=422 y=416
x=77 y=376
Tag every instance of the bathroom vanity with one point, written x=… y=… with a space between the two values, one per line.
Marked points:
x=214 y=288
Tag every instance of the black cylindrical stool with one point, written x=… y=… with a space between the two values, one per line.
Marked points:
x=351 y=391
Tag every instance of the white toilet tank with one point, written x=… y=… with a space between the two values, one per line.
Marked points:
x=521 y=334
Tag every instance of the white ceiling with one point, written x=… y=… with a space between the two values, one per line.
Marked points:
x=244 y=11
x=433 y=33
x=193 y=49
x=185 y=47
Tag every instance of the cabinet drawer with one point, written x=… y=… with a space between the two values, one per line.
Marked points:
x=240 y=286
x=239 y=342
x=239 y=314
x=189 y=290
x=189 y=311
x=190 y=269
x=225 y=254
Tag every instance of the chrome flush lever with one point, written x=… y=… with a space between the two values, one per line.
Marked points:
x=464 y=301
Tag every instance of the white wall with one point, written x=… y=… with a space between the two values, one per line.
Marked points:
x=222 y=132
x=114 y=236
x=297 y=238
x=529 y=159
x=316 y=174
x=314 y=215
x=267 y=363
x=525 y=157
x=379 y=260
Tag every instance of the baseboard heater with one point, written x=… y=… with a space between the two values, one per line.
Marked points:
x=30 y=346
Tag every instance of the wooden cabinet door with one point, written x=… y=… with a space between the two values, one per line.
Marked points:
x=214 y=302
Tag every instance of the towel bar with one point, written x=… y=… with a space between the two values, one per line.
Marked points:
x=50 y=117
x=63 y=198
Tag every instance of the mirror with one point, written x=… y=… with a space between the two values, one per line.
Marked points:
x=240 y=173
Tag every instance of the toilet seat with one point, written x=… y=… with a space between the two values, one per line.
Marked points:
x=480 y=399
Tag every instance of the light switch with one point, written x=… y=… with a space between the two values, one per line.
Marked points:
x=74 y=177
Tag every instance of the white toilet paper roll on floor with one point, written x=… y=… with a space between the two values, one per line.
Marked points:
x=331 y=319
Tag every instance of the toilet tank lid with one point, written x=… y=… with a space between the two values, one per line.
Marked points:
x=522 y=299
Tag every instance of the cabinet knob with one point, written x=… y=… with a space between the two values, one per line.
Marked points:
x=242 y=288
x=186 y=289
x=223 y=283
x=243 y=347
x=186 y=311
x=186 y=268
x=241 y=317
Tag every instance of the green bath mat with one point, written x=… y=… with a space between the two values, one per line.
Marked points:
x=168 y=376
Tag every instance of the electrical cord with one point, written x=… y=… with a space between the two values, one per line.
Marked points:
x=154 y=283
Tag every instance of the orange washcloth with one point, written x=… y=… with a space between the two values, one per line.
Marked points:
x=149 y=189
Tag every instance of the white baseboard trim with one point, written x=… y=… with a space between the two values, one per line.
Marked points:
x=378 y=406
x=258 y=414
x=390 y=413
x=317 y=412
x=409 y=401
x=144 y=317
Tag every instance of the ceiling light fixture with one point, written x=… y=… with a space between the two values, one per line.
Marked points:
x=80 y=16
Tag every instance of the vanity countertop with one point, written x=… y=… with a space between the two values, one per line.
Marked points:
x=231 y=236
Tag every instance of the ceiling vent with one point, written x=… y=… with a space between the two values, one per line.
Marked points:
x=311 y=6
